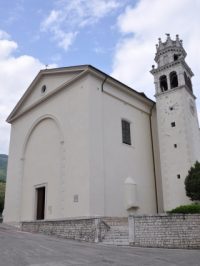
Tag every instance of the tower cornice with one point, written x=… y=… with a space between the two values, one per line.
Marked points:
x=170 y=49
x=174 y=90
x=171 y=65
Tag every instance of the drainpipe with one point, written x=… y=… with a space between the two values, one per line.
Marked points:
x=103 y=148
x=103 y=83
x=153 y=157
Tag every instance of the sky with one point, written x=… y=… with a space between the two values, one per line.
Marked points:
x=118 y=37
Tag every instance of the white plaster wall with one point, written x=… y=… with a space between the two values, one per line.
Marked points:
x=122 y=160
x=112 y=161
x=192 y=128
x=13 y=186
x=42 y=168
x=52 y=81
x=97 y=171
x=85 y=141
x=178 y=160
x=70 y=109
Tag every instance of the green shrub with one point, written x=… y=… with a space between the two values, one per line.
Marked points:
x=192 y=208
x=192 y=182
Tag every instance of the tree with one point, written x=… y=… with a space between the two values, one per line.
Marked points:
x=192 y=182
x=2 y=195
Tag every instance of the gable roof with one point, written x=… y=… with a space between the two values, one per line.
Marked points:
x=80 y=71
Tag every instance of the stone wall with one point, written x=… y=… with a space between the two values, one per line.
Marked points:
x=84 y=229
x=166 y=231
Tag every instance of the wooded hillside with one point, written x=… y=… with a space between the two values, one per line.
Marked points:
x=3 y=166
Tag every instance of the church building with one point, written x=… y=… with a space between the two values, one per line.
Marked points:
x=84 y=144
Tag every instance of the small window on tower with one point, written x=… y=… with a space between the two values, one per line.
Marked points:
x=175 y=57
x=126 y=132
x=163 y=83
x=173 y=124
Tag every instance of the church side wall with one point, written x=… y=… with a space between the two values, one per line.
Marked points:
x=70 y=110
x=112 y=161
x=122 y=160
x=97 y=171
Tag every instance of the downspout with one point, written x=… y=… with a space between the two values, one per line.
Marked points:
x=103 y=83
x=104 y=172
x=153 y=157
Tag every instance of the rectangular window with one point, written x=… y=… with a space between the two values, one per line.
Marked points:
x=76 y=198
x=126 y=132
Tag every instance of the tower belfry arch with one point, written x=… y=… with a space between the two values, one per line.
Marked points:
x=178 y=127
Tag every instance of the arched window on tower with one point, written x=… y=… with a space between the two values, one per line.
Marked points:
x=163 y=83
x=188 y=81
x=173 y=79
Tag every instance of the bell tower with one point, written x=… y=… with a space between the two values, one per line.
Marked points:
x=178 y=128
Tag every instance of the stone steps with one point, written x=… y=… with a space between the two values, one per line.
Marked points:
x=118 y=232
x=116 y=221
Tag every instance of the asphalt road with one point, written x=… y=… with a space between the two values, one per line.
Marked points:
x=26 y=249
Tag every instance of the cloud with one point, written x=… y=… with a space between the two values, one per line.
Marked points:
x=4 y=35
x=51 y=19
x=6 y=48
x=15 y=76
x=65 y=22
x=141 y=25
x=63 y=39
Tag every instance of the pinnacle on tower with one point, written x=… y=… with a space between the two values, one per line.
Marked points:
x=171 y=70
x=169 y=42
x=170 y=45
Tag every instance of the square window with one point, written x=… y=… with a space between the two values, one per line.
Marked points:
x=173 y=124
x=126 y=132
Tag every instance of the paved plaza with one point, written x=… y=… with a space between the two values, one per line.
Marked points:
x=26 y=249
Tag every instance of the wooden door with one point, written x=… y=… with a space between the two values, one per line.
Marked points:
x=40 y=203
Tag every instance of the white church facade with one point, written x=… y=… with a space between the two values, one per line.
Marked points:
x=84 y=144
